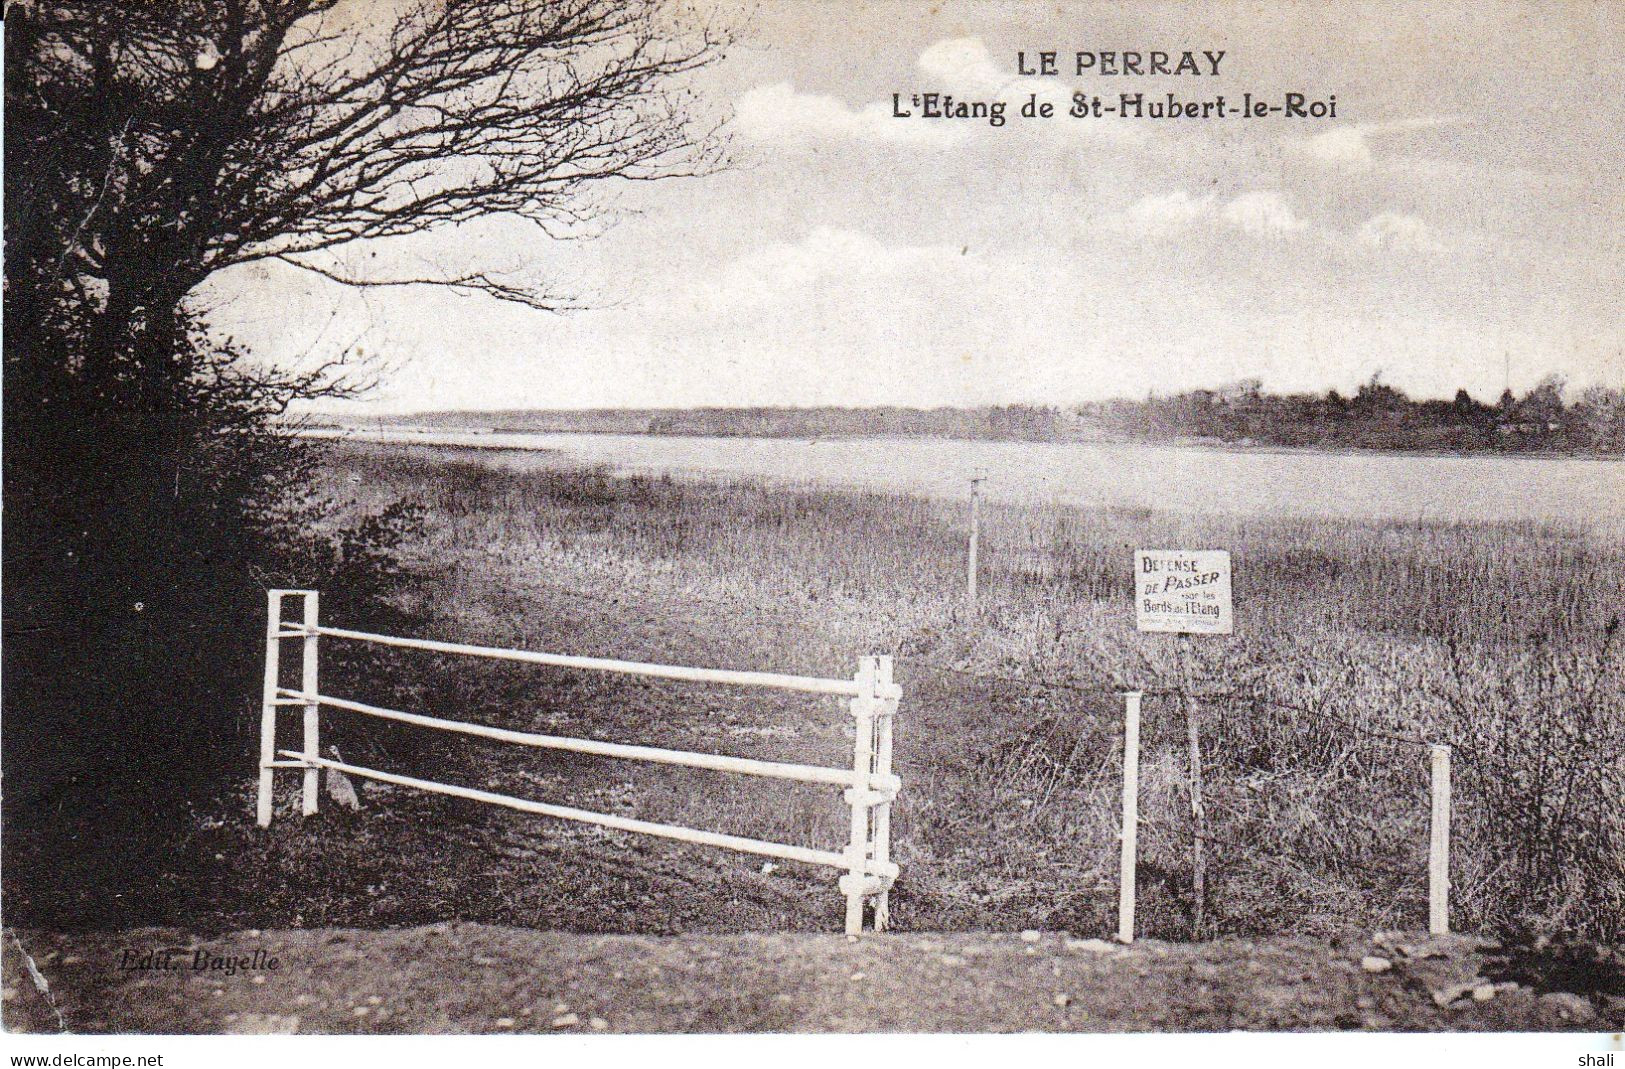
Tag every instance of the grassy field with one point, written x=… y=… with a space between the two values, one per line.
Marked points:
x=1355 y=645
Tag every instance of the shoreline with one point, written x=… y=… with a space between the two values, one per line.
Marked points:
x=412 y=436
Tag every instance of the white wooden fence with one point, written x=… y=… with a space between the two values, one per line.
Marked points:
x=870 y=784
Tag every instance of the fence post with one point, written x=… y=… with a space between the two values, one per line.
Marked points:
x=308 y=684
x=1439 y=845
x=1193 y=736
x=1129 y=858
x=975 y=532
x=273 y=626
x=885 y=709
x=858 y=846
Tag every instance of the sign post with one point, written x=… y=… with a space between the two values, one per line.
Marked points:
x=1187 y=592
x=971 y=568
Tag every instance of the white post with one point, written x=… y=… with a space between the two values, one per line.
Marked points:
x=1129 y=858
x=857 y=847
x=1439 y=845
x=886 y=709
x=975 y=532
x=308 y=684
x=273 y=625
x=1193 y=735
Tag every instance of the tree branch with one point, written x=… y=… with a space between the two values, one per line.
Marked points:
x=470 y=282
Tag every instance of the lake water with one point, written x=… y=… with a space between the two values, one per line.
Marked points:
x=1581 y=493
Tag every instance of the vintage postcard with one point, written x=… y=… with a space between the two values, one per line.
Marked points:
x=589 y=517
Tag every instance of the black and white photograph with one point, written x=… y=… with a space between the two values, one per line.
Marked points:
x=737 y=518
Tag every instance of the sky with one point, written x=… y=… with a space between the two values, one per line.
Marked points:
x=1458 y=224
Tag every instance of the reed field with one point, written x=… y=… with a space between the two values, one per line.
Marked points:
x=1356 y=645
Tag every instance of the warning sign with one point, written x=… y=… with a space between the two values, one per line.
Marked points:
x=1182 y=590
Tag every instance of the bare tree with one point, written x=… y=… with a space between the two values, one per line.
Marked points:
x=151 y=143
x=154 y=143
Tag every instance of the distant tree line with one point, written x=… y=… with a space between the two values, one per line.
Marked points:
x=1009 y=422
x=1020 y=422
x=1376 y=416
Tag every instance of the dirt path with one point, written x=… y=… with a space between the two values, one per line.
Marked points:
x=478 y=978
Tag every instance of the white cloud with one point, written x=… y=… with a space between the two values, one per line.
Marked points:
x=1394 y=232
x=825 y=256
x=1342 y=144
x=1165 y=211
x=1266 y=214
x=1350 y=146
x=1262 y=213
x=963 y=63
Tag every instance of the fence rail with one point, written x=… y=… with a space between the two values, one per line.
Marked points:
x=870 y=786
x=807 y=684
